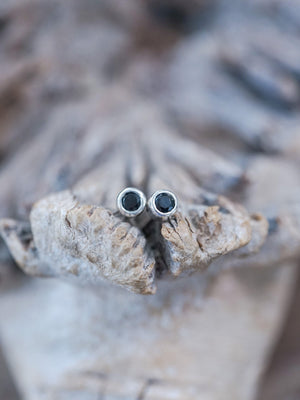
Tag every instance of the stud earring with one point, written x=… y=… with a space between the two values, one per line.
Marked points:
x=163 y=203
x=131 y=202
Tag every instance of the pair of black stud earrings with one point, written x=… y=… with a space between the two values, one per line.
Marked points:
x=131 y=202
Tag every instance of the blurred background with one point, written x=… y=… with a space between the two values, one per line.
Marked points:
x=224 y=72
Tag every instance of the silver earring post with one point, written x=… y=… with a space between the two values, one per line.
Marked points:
x=163 y=203
x=131 y=202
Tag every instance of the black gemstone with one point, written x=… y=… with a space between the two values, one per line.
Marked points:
x=164 y=202
x=131 y=201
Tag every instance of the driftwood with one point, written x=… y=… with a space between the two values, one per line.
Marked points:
x=163 y=105
x=91 y=241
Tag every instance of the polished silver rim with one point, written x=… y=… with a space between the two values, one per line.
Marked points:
x=153 y=207
x=121 y=207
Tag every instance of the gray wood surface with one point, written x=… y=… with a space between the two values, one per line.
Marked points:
x=198 y=97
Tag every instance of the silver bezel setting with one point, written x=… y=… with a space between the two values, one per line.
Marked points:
x=137 y=212
x=153 y=208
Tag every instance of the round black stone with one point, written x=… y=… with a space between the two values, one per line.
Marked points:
x=131 y=201
x=164 y=202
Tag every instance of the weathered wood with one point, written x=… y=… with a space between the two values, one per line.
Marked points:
x=186 y=96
